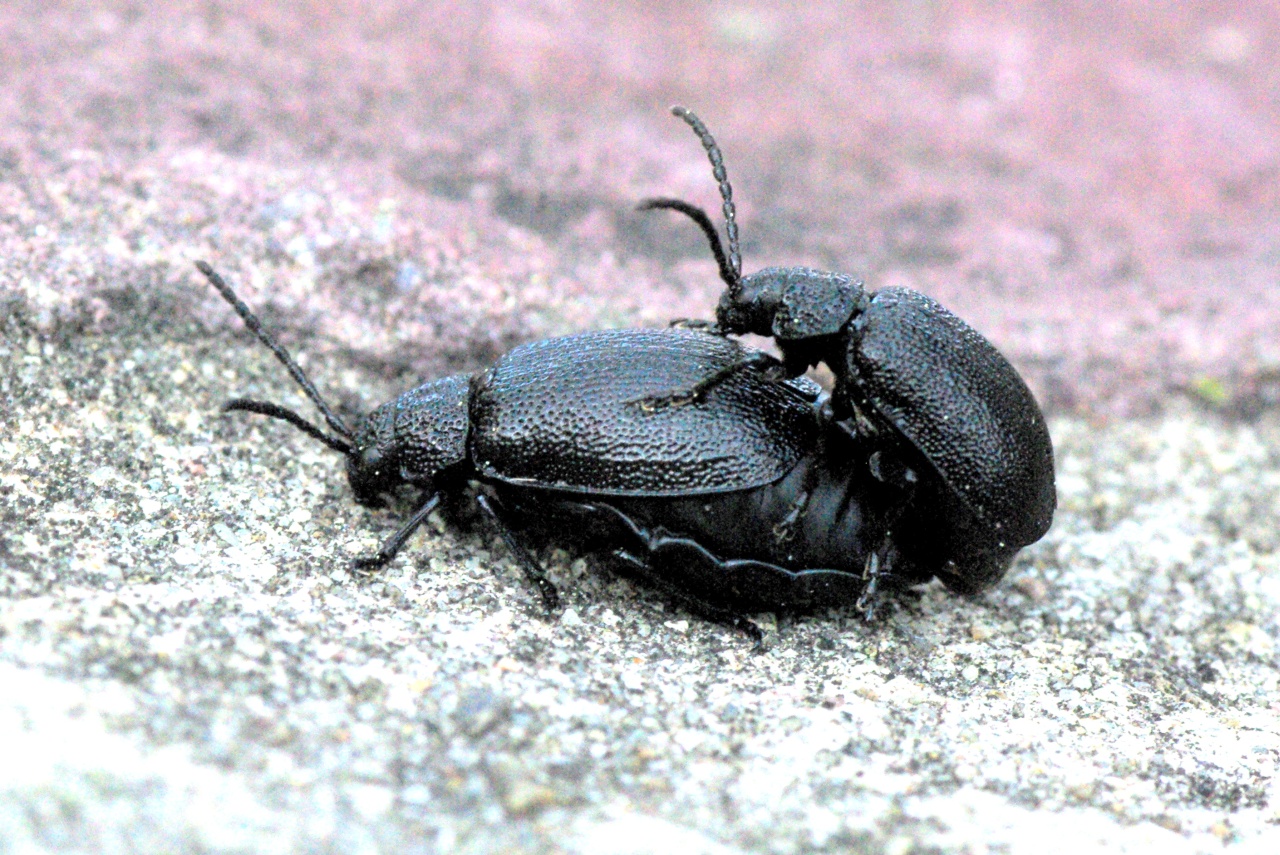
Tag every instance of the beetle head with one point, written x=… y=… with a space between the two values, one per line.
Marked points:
x=753 y=304
x=786 y=303
x=373 y=464
x=418 y=439
x=796 y=306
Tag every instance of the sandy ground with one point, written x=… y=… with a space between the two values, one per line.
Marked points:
x=189 y=666
x=410 y=190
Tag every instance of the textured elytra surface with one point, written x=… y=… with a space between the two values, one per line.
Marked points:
x=566 y=412
x=960 y=402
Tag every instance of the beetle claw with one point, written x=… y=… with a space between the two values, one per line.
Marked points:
x=654 y=403
x=369 y=565
x=752 y=629
x=696 y=324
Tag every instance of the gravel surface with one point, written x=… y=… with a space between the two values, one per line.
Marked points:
x=189 y=665
x=409 y=189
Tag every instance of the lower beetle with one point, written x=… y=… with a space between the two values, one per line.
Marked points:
x=750 y=498
x=955 y=418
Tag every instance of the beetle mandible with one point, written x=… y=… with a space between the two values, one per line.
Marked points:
x=750 y=498
x=956 y=421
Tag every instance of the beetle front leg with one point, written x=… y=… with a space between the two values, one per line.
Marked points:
x=366 y=565
x=698 y=324
x=760 y=361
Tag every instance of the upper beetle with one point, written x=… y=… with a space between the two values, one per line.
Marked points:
x=944 y=403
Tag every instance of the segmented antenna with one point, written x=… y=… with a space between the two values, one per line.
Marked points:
x=275 y=411
x=726 y=192
x=345 y=440
x=700 y=217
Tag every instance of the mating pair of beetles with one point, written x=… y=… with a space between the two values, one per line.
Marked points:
x=716 y=472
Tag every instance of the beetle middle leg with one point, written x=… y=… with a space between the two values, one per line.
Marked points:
x=786 y=529
x=532 y=569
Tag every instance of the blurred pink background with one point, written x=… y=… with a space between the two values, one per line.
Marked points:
x=1092 y=185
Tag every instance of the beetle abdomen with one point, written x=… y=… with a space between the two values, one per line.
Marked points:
x=654 y=538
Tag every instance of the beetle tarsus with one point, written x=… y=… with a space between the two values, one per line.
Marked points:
x=696 y=324
x=878 y=568
x=654 y=403
x=753 y=631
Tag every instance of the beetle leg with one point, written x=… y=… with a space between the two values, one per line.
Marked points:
x=880 y=564
x=532 y=569
x=871 y=573
x=849 y=418
x=879 y=567
x=786 y=529
x=888 y=468
x=763 y=362
x=726 y=617
x=367 y=564
x=710 y=327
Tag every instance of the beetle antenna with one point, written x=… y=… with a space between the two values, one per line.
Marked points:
x=726 y=192
x=275 y=411
x=700 y=217
x=344 y=438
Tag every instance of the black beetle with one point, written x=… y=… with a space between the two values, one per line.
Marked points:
x=750 y=498
x=950 y=412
